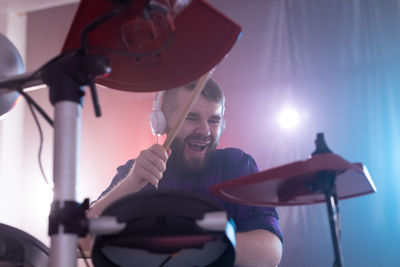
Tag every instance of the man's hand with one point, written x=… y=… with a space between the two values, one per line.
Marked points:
x=149 y=167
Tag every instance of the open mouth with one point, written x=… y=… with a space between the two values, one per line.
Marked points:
x=197 y=146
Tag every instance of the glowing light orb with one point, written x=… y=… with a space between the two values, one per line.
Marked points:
x=289 y=118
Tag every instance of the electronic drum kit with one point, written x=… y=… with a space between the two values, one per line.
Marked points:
x=197 y=233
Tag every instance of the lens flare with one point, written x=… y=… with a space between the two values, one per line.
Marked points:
x=289 y=118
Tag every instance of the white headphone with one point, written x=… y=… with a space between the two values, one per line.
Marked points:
x=158 y=122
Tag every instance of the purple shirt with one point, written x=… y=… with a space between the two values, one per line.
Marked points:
x=225 y=164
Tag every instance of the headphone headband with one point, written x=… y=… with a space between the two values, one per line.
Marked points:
x=158 y=122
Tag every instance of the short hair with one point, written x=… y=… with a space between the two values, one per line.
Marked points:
x=211 y=91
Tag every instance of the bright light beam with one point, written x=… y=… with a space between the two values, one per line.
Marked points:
x=289 y=118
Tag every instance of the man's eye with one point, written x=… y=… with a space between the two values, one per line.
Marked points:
x=190 y=118
x=214 y=121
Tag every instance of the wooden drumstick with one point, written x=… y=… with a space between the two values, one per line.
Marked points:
x=196 y=92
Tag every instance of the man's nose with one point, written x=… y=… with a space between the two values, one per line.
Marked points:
x=203 y=128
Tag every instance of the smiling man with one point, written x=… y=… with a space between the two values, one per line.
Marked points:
x=199 y=135
x=193 y=164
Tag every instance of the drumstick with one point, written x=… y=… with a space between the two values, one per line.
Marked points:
x=174 y=130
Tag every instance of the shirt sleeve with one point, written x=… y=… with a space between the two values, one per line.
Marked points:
x=246 y=217
x=122 y=172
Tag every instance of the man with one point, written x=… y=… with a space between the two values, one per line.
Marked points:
x=193 y=164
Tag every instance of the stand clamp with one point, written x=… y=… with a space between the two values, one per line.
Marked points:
x=71 y=215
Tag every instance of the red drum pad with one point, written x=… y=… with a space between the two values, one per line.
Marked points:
x=164 y=51
x=291 y=184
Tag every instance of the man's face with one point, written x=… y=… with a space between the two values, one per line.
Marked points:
x=200 y=132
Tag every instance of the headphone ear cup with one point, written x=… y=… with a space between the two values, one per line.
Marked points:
x=158 y=123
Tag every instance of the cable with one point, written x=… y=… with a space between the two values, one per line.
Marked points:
x=170 y=257
x=137 y=55
x=166 y=261
x=40 y=142
x=83 y=256
x=97 y=22
x=38 y=108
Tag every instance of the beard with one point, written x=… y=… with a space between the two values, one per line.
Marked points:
x=187 y=164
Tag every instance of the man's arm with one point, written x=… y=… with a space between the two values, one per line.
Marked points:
x=258 y=248
x=255 y=245
x=149 y=167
